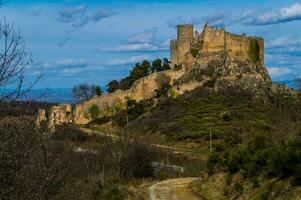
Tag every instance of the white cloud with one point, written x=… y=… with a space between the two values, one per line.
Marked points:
x=221 y=19
x=80 y=16
x=140 y=38
x=145 y=47
x=281 y=41
x=279 y=71
x=286 y=14
x=71 y=62
x=131 y=60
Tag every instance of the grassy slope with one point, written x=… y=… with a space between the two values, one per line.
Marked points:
x=232 y=118
x=193 y=116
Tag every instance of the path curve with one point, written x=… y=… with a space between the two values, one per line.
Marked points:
x=173 y=189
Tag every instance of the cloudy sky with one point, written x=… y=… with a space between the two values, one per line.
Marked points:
x=95 y=41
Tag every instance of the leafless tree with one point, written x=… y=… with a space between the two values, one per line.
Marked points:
x=83 y=92
x=298 y=84
x=14 y=62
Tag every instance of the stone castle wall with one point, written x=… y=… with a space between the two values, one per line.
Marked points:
x=214 y=40
x=142 y=89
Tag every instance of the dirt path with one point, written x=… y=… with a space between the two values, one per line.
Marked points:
x=173 y=189
x=175 y=150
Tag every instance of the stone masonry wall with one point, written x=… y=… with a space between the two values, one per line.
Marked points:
x=214 y=40
x=142 y=89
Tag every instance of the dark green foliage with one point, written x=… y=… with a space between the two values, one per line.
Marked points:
x=114 y=194
x=258 y=156
x=134 y=109
x=210 y=83
x=193 y=115
x=238 y=188
x=137 y=161
x=254 y=51
x=226 y=116
x=98 y=91
x=163 y=91
x=255 y=182
x=177 y=67
x=194 y=52
x=285 y=162
x=139 y=71
x=166 y=64
x=94 y=112
x=157 y=66
x=69 y=132
x=113 y=86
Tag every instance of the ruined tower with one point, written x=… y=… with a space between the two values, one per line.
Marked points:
x=181 y=46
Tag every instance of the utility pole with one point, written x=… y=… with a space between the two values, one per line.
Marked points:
x=127 y=126
x=210 y=141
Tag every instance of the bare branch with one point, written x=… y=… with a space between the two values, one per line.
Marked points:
x=14 y=62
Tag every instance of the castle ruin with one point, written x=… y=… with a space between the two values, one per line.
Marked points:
x=212 y=41
x=242 y=63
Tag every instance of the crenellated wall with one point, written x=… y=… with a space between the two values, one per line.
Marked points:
x=215 y=40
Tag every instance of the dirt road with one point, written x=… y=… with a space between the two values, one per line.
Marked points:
x=173 y=189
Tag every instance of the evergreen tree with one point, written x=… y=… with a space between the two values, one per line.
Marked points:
x=113 y=86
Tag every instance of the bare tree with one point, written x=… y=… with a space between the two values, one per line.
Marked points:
x=298 y=84
x=84 y=92
x=14 y=62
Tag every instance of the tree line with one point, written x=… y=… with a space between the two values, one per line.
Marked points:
x=84 y=92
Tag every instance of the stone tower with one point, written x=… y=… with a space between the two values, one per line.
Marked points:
x=181 y=46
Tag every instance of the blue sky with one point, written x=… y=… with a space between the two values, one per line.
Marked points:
x=95 y=41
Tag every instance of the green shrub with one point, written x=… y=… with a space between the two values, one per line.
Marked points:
x=226 y=116
x=254 y=51
x=163 y=91
x=94 y=112
x=134 y=109
x=284 y=162
x=238 y=188
x=173 y=93
x=194 y=52
x=69 y=132
x=210 y=83
x=114 y=193
x=255 y=182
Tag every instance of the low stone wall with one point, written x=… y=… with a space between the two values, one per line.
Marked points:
x=142 y=89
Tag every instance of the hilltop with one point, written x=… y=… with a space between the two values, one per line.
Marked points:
x=213 y=58
x=214 y=104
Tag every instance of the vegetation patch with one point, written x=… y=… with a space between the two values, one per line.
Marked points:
x=94 y=112
x=254 y=51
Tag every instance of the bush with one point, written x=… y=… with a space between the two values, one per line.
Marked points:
x=173 y=93
x=284 y=162
x=163 y=91
x=226 y=116
x=134 y=109
x=114 y=194
x=238 y=188
x=69 y=132
x=94 y=112
x=137 y=161
x=194 y=52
